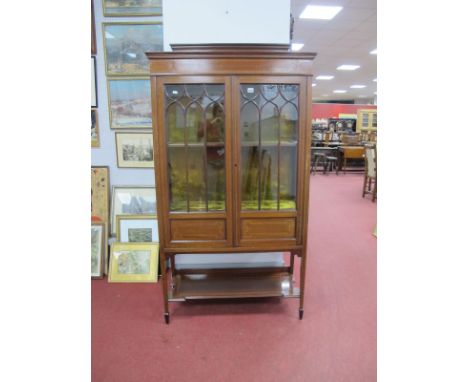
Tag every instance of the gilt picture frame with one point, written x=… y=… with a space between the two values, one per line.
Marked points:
x=129 y=101
x=94 y=96
x=127 y=8
x=134 y=262
x=132 y=200
x=134 y=150
x=137 y=228
x=126 y=44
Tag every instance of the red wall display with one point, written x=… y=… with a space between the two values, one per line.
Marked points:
x=333 y=110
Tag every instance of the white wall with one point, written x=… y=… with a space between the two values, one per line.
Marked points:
x=226 y=21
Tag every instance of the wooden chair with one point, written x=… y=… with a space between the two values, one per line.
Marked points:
x=370 y=171
x=331 y=162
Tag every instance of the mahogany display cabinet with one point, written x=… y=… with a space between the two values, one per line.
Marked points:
x=231 y=130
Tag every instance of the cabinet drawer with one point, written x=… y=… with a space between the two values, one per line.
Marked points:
x=198 y=229
x=268 y=228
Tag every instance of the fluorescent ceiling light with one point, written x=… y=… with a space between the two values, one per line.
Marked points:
x=132 y=55
x=325 y=77
x=375 y=79
x=339 y=91
x=320 y=12
x=373 y=51
x=348 y=67
x=357 y=86
x=295 y=46
x=314 y=84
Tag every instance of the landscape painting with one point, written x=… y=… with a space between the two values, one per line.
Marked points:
x=130 y=103
x=132 y=7
x=134 y=150
x=132 y=200
x=140 y=235
x=125 y=45
x=134 y=262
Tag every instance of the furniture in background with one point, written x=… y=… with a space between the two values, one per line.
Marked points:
x=349 y=152
x=232 y=153
x=366 y=120
x=331 y=162
x=370 y=171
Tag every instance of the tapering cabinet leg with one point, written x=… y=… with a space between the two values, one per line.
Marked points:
x=163 y=265
x=303 y=255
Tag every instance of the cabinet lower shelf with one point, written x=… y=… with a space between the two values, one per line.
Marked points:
x=213 y=286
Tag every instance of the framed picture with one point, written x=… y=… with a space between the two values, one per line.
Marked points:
x=94 y=101
x=132 y=200
x=98 y=249
x=132 y=7
x=93 y=30
x=125 y=45
x=134 y=150
x=100 y=193
x=134 y=262
x=137 y=229
x=94 y=129
x=129 y=103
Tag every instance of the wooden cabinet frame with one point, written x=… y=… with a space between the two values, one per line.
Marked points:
x=233 y=230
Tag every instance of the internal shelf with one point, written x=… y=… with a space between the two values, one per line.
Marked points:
x=232 y=285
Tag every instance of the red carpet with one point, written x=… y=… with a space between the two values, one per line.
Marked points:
x=257 y=340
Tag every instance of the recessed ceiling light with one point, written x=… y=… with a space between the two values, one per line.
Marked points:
x=325 y=77
x=373 y=51
x=375 y=79
x=314 y=84
x=357 y=86
x=320 y=12
x=339 y=91
x=348 y=67
x=295 y=46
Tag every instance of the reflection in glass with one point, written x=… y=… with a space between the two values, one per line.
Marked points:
x=268 y=132
x=195 y=128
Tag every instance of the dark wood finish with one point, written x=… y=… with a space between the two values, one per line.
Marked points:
x=233 y=230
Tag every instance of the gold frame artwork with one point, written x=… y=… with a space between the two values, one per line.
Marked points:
x=120 y=218
x=95 y=141
x=108 y=11
x=103 y=250
x=111 y=99
x=100 y=187
x=120 y=249
x=138 y=68
x=119 y=150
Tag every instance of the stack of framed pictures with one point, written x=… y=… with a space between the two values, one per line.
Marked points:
x=134 y=257
x=128 y=83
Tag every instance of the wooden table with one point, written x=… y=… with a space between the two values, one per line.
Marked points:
x=349 y=152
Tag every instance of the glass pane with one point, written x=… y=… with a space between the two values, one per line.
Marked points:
x=216 y=178
x=269 y=124
x=289 y=123
x=195 y=124
x=269 y=178
x=249 y=123
x=177 y=179
x=374 y=120
x=268 y=130
x=250 y=178
x=196 y=179
x=288 y=178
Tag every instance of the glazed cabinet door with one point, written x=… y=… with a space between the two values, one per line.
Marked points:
x=269 y=158
x=195 y=160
